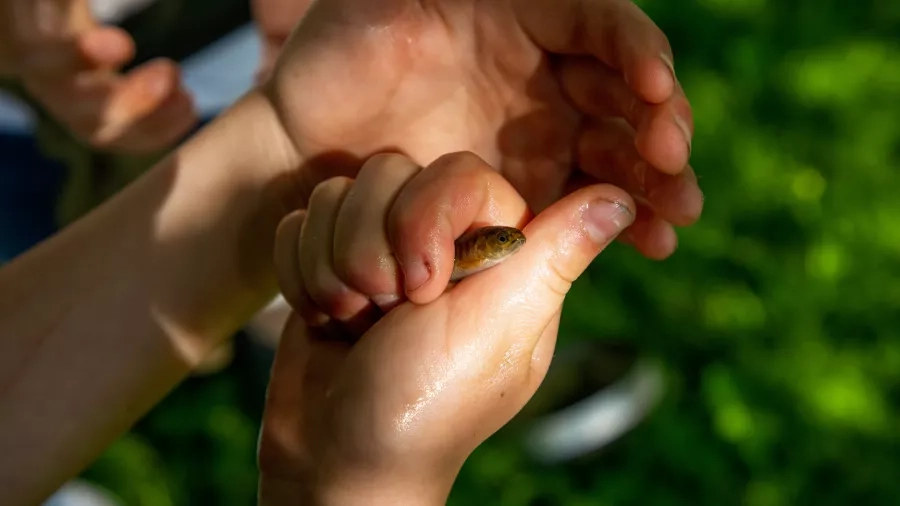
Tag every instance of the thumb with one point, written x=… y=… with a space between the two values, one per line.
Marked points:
x=561 y=242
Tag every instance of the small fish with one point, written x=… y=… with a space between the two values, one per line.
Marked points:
x=484 y=248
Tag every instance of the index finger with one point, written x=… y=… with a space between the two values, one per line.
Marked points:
x=457 y=192
x=617 y=32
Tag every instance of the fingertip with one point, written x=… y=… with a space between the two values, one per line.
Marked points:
x=417 y=271
x=601 y=211
x=409 y=239
x=159 y=78
x=107 y=47
x=174 y=119
x=662 y=142
x=652 y=236
x=179 y=105
x=164 y=66
x=286 y=256
x=678 y=199
x=144 y=91
x=288 y=229
x=651 y=79
x=667 y=60
x=423 y=281
x=663 y=243
x=287 y=269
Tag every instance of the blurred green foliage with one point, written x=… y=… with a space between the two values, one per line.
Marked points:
x=777 y=318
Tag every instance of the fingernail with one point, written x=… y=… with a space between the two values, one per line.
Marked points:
x=667 y=60
x=682 y=125
x=604 y=219
x=385 y=300
x=416 y=274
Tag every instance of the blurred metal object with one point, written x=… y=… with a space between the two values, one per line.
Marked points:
x=583 y=423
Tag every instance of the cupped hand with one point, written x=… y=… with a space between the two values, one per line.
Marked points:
x=555 y=94
x=390 y=418
x=69 y=64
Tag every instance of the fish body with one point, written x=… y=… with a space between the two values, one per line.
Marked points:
x=483 y=248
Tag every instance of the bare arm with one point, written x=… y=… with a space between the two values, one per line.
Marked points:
x=99 y=322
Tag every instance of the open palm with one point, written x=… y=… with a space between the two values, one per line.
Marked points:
x=555 y=94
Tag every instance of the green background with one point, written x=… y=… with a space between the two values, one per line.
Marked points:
x=776 y=319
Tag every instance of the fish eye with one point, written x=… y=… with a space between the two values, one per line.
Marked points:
x=502 y=238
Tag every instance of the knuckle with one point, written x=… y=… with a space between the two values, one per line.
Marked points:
x=329 y=188
x=559 y=281
x=461 y=161
x=460 y=172
x=336 y=183
x=383 y=162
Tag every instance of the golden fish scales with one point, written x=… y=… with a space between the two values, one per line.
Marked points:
x=484 y=248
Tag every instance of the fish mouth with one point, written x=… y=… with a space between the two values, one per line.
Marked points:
x=517 y=243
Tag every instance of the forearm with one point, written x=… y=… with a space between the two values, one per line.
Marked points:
x=102 y=320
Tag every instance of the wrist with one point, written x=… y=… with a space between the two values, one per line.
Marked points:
x=226 y=189
x=251 y=141
x=387 y=490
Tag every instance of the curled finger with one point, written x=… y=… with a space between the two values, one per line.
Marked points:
x=606 y=151
x=135 y=97
x=363 y=258
x=615 y=32
x=663 y=131
x=325 y=287
x=652 y=236
x=164 y=127
x=456 y=193
x=287 y=268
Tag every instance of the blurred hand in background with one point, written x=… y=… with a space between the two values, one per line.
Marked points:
x=69 y=63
